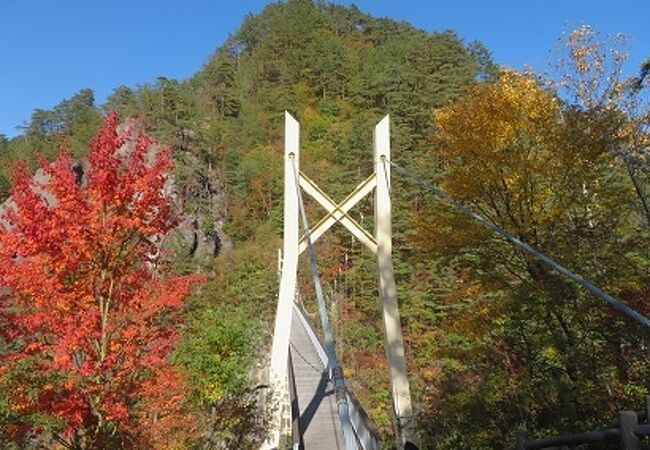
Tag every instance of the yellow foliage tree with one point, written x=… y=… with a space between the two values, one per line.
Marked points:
x=520 y=338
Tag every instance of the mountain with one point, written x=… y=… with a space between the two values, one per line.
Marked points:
x=338 y=71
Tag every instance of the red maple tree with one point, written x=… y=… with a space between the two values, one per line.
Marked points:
x=88 y=319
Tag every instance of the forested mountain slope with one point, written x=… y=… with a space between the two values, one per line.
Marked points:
x=495 y=343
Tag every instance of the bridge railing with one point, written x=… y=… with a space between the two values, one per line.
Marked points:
x=630 y=427
x=296 y=434
x=366 y=434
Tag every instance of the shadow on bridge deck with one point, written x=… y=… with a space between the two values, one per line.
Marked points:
x=315 y=405
x=319 y=422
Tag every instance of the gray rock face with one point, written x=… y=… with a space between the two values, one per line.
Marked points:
x=201 y=240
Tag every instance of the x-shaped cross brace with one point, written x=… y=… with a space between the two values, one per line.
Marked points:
x=339 y=212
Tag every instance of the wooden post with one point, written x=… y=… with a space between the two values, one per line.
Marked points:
x=627 y=421
x=402 y=411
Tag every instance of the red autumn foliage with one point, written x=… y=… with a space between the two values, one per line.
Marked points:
x=89 y=320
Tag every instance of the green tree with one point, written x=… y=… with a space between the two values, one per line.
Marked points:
x=338 y=71
x=525 y=347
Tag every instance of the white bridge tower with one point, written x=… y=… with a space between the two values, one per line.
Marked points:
x=379 y=243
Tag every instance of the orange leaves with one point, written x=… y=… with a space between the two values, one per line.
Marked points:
x=82 y=295
x=165 y=423
x=591 y=70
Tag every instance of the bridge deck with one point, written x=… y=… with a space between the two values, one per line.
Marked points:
x=319 y=422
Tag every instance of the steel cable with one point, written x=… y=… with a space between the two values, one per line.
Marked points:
x=336 y=372
x=613 y=301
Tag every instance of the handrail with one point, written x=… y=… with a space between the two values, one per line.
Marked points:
x=365 y=432
x=627 y=429
x=296 y=432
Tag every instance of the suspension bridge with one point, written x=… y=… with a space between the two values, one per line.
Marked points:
x=311 y=403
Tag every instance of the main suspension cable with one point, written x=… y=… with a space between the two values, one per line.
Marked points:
x=613 y=301
x=336 y=371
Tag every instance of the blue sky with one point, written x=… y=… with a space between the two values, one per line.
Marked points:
x=51 y=49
